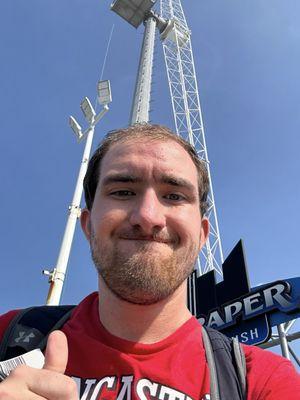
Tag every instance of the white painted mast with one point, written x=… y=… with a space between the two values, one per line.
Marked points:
x=141 y=98
x=58 y=274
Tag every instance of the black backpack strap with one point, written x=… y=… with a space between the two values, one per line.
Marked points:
x=30 y=329
x=241 y=368
x=227 y=366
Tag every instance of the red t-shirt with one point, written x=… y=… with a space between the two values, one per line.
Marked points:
x=107 y=367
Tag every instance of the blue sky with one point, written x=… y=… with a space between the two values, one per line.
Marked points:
x=247 y=58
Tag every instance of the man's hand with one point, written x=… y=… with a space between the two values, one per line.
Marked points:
x=49 y=383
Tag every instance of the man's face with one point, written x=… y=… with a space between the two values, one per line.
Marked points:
x=145 y=227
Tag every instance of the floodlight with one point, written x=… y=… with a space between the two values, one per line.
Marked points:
x=88 y=110
x=104 y=92
x=75 y=127
x=133 y=11
x=169 y=33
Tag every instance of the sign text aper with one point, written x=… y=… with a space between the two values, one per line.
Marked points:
x=275 y=296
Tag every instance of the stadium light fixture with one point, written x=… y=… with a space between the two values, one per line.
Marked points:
x=104 y=98
x=88 y=110
x=133 y=11
x=104 y=92
x=75 y=127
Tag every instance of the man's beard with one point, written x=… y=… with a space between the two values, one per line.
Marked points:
x=144 y=277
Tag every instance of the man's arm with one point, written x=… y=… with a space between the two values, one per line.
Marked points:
x=49 y=383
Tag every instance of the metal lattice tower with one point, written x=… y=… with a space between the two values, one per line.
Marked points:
x=183 y=86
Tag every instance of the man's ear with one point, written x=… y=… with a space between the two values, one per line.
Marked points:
x=85 y=220
x=204 y=231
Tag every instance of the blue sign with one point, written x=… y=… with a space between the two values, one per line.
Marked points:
x=250 y=317
x=233 y=308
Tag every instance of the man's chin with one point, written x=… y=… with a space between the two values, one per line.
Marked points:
x=139 y=298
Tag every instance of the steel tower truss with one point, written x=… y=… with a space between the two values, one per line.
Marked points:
x=179 y=60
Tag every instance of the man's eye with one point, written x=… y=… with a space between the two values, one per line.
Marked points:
x=174 y=197
x=122 y=193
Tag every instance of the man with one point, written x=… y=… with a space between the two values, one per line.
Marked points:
x=145 y=193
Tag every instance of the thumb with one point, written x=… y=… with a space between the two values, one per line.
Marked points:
x=56 y=355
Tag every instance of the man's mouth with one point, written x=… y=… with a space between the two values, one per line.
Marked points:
x=147 y=239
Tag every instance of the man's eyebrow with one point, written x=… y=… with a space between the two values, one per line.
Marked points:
x=164 y=178
x=125 y=178
x=177 y=181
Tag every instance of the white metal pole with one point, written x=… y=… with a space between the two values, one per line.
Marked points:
x=283 y=341
x=57 y=276
x=142 y=93
x=276 y=341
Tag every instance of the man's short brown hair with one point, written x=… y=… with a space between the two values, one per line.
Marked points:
x=138 y=131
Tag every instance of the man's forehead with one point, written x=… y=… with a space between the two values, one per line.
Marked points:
x=161 y=149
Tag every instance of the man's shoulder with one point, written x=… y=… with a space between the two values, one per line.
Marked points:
x=256 y=355
x=269 y=374
x=26 y=329
x=87 y=302
x=5 y=320
x=263 y=361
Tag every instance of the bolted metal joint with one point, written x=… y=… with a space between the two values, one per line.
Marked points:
x=73 y=209
x=54 y=275
x=50 y=274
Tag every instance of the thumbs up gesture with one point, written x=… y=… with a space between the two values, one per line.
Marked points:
x=56 y=356
x=49 y=383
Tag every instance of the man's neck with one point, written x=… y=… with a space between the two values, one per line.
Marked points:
x=142 y=323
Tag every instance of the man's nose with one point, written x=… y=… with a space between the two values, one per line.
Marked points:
x=148 y=212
